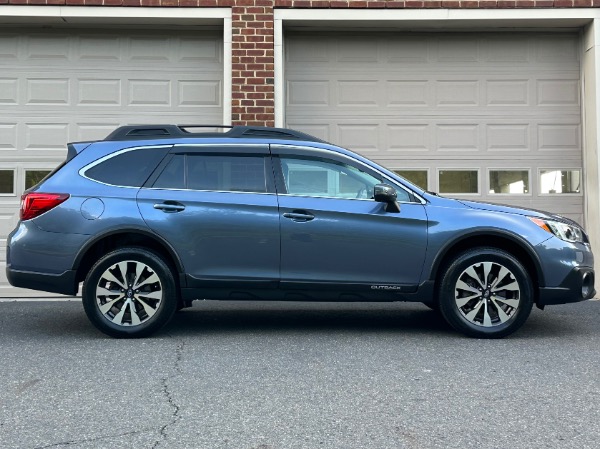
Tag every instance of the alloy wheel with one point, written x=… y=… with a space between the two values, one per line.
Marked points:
x=487 y=294
x=129 y=293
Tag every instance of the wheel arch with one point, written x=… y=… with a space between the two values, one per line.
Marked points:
x=119 y=238
x=513 y=244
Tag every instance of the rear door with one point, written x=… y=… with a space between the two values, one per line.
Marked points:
x=217 y=207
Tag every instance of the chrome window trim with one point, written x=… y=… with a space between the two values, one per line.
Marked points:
x=91 y=165
x=208 y=191
x=339 y=198
x=263 y=155
x=362 y=164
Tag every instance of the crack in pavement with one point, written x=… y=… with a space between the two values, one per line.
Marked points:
x=88 y=440
x=169 y=395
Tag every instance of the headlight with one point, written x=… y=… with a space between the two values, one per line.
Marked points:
x=564 y=231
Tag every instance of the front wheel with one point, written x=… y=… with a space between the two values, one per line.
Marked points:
x=486 y=293
x=130 y=292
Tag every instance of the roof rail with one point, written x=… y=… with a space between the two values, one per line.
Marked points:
x=135 y=132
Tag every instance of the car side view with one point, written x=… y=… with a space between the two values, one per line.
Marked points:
x=155 y=216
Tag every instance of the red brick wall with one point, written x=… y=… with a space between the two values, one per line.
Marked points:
x=252 y=46
x=252 y=58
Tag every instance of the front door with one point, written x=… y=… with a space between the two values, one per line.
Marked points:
x=332 y=231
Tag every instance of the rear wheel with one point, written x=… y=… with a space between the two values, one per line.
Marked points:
x=486 y=293
x=130 y=292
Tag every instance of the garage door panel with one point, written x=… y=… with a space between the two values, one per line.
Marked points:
x=388 y=95
x=76 y=85
x=459 y=136
x=37 y=92
x=447 y=101
x=100 y=47
x=558 y=92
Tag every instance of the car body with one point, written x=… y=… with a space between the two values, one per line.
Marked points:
x=154 y=217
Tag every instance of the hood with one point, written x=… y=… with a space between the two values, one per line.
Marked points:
x=516 y=210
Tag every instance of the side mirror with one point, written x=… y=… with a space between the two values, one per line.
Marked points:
x=385 y=193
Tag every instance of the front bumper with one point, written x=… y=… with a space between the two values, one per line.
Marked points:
x=577 y=286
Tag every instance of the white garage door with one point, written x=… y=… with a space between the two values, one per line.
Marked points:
x=63 y=86
x=485 y=116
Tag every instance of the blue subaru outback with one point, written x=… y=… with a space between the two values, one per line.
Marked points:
x=153 y=217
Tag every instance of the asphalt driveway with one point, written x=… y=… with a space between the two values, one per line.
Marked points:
x=243 y=375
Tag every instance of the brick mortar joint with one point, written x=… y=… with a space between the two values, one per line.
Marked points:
x=319 y=4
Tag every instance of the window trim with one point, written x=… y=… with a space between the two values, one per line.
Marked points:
x=14 y=171
x=488 y=185
x=425 y=169
x=282 y=184
x=26 y=169
x=477 y=170
x=267 y=164
x=560 y=195
x=82 y=171
x=299 y=150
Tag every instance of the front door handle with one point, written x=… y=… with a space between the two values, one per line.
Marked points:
x=299 y=215
x=170 y=206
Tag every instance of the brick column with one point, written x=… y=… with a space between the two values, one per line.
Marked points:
x=252 y=90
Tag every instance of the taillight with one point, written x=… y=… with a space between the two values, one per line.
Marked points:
x=35 y=204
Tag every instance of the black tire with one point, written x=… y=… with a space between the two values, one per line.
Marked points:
x=126 y=311
x=485 y=293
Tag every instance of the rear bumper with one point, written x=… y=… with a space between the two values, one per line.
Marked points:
x=53 y=283
x=577 y=286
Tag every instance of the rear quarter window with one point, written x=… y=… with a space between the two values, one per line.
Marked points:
x=128 y=169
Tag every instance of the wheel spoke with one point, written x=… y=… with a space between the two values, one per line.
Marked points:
x=471 y=315
x=101 y=291
x=149 y=309
x=150 y=280
x=514 y=285
x=151 y=295
x=501 y=275
x=135 y=319
x=502 y=316
x=487 y=267
x=110 y=277
x=514 y=303
x=139 y=269
x=471 y=272
x=487 y=320
x=464 y=286
x=104 y=308
x=461 y=302
x=118 y=318
x=123 y=270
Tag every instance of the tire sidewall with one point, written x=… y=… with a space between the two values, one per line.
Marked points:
x=450 y=310
x=165 y=310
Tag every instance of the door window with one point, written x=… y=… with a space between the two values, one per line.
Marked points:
x=326 y=178
x=223 y=173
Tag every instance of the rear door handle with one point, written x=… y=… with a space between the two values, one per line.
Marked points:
x=170 y=206
x=299 y=215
